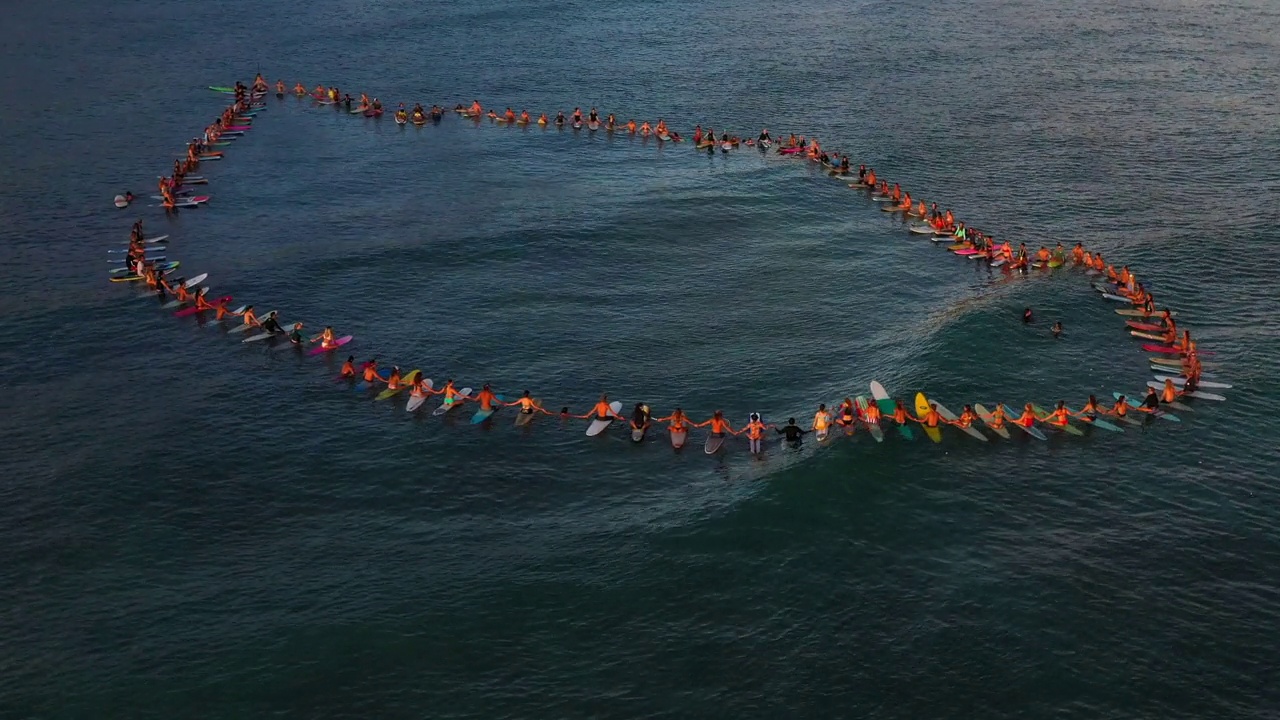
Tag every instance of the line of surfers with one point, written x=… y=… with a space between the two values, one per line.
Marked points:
x=847 y=415
x=174 y=188
x=1124 y=281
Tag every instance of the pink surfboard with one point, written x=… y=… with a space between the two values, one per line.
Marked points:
x=336 y=344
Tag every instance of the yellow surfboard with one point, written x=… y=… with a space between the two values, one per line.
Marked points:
x=922 y=407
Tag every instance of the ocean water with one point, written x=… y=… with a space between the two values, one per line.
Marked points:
x=194 y=527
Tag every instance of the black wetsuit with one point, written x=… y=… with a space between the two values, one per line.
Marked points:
x=792 y=431
x=272 y=326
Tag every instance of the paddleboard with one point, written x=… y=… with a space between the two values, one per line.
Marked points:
x=481 y=415
x=463 y=394
x=876 y=431
x=637 y=434
x=888 y=407
x=1068 y=428
x=948 y=415
x=922 y=407
x=416 y=402
x=524 y=418
x=986 y=418
x=597 y=426
x=1194 y=393
x=1181 y=381
x=713 y=443
x=337 y=343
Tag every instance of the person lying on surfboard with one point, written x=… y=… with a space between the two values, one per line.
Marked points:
x=527 y=404
x=794 y=433
x=601 y=411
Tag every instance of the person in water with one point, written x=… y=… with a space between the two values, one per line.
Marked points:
x=821 y=419
x=1056 y=329
x=794 y=434
x=1028 y=317
x=295 y=335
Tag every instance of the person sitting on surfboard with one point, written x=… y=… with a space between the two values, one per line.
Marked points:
x=821 y=419
x=402 y=116
x=259 y=84
x=931 y=418
x=871 y=414
x=418 y=387
x=524 y=117
x=755 y=433
x=577 y=115
x=794 y=433
x=764 y=137
x=719 y=426
x=678 y=421
x=997 y=419
x=299 y=89
x=631 y=126
x=846 y=415
x=640 y=417
x=486 y=398
x=593 y=116
x=527 y=404
x=601 y=411
x=967 y=417
x=661 y=127
x=509 y=115
x=645 y=128
x=327 y=341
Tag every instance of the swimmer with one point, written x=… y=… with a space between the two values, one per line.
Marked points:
x=1056 y=329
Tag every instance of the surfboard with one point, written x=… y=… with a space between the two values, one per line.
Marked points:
x=948 y=415
x=524 y=418
x=1102 y=424
x=416 y=402
x=405 y=380
x=463 y=394
x=1041 y=414
x=195 y=280
x=678 y=437
x=1032 y=431
x=876 y=431
x=481 y=415
x=337 y=343
x=637 y=434
x=1146 y=335
x=888 y=407
x=264 y=335
x=986 y=418
x=1194 y=393
x=921 y=229
x=1137 y=312
x=243 y=327
x=922 y=407
x=1182 y=381
x=597 y=426
x=713 y=444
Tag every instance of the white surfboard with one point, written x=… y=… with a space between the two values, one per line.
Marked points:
x=948 y=415
x=195 y=280
x=678 y=437
x=463 y=394
x=416 y=402
x=1181 y=381
x=637 y=434
x=264 y=335
x=524 y=418
x=597 y=426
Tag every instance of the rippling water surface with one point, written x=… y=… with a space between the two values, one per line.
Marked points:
x=198 y=528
